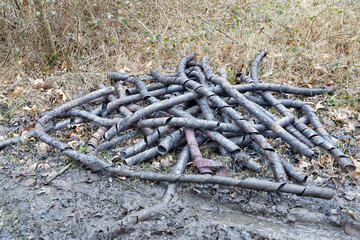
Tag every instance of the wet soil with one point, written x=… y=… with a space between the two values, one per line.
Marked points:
x=82 y=205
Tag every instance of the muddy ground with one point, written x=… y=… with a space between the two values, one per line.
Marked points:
x=79 y=204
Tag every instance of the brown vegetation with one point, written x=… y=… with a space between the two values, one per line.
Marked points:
x=310 y=43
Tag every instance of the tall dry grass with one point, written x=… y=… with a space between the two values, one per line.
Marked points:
x=310 y=43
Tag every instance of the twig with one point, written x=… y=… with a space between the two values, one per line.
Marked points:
x=337 y=35
x=12 y=46
x=8 y=22
x=217 y=29
x=50 y=179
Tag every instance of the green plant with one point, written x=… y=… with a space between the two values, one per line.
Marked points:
x=82 y=148
x=11 y=217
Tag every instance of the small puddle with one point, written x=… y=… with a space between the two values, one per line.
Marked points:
x=277 y=230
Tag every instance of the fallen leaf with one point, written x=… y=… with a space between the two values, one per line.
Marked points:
x=329 y=83
x=318 y=106
x=45 y=174
x=44 y=86
x=29 y=182
x=322 y=160
x=34 y=166
x=165 y=162
x=44 y=190
x=303 y=164
x=266 y=74
x=42 y=148
x=350 y=196
x=61 y=94
x=357 y=170
x=351 y=126
x=351 y=214
x=27 y=128
x=148 y=65
x=18 y=90
x=63 y=65
x=319 y=164
x=121 y=178
x=155 y=165
x=32 y=110
x=73 y=144
x=85 y=180
x=127 y=70
x=334 y=180
x=56 y=68
x=345 y=115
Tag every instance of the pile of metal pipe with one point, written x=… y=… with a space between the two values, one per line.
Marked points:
x=182 y=110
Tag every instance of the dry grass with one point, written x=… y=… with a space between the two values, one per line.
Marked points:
x=311 y=43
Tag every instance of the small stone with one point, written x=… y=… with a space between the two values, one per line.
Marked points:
x=349 y=230
x=85 y=180
x=42 y=148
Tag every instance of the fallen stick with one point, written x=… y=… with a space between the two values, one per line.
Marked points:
x=64 y=169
